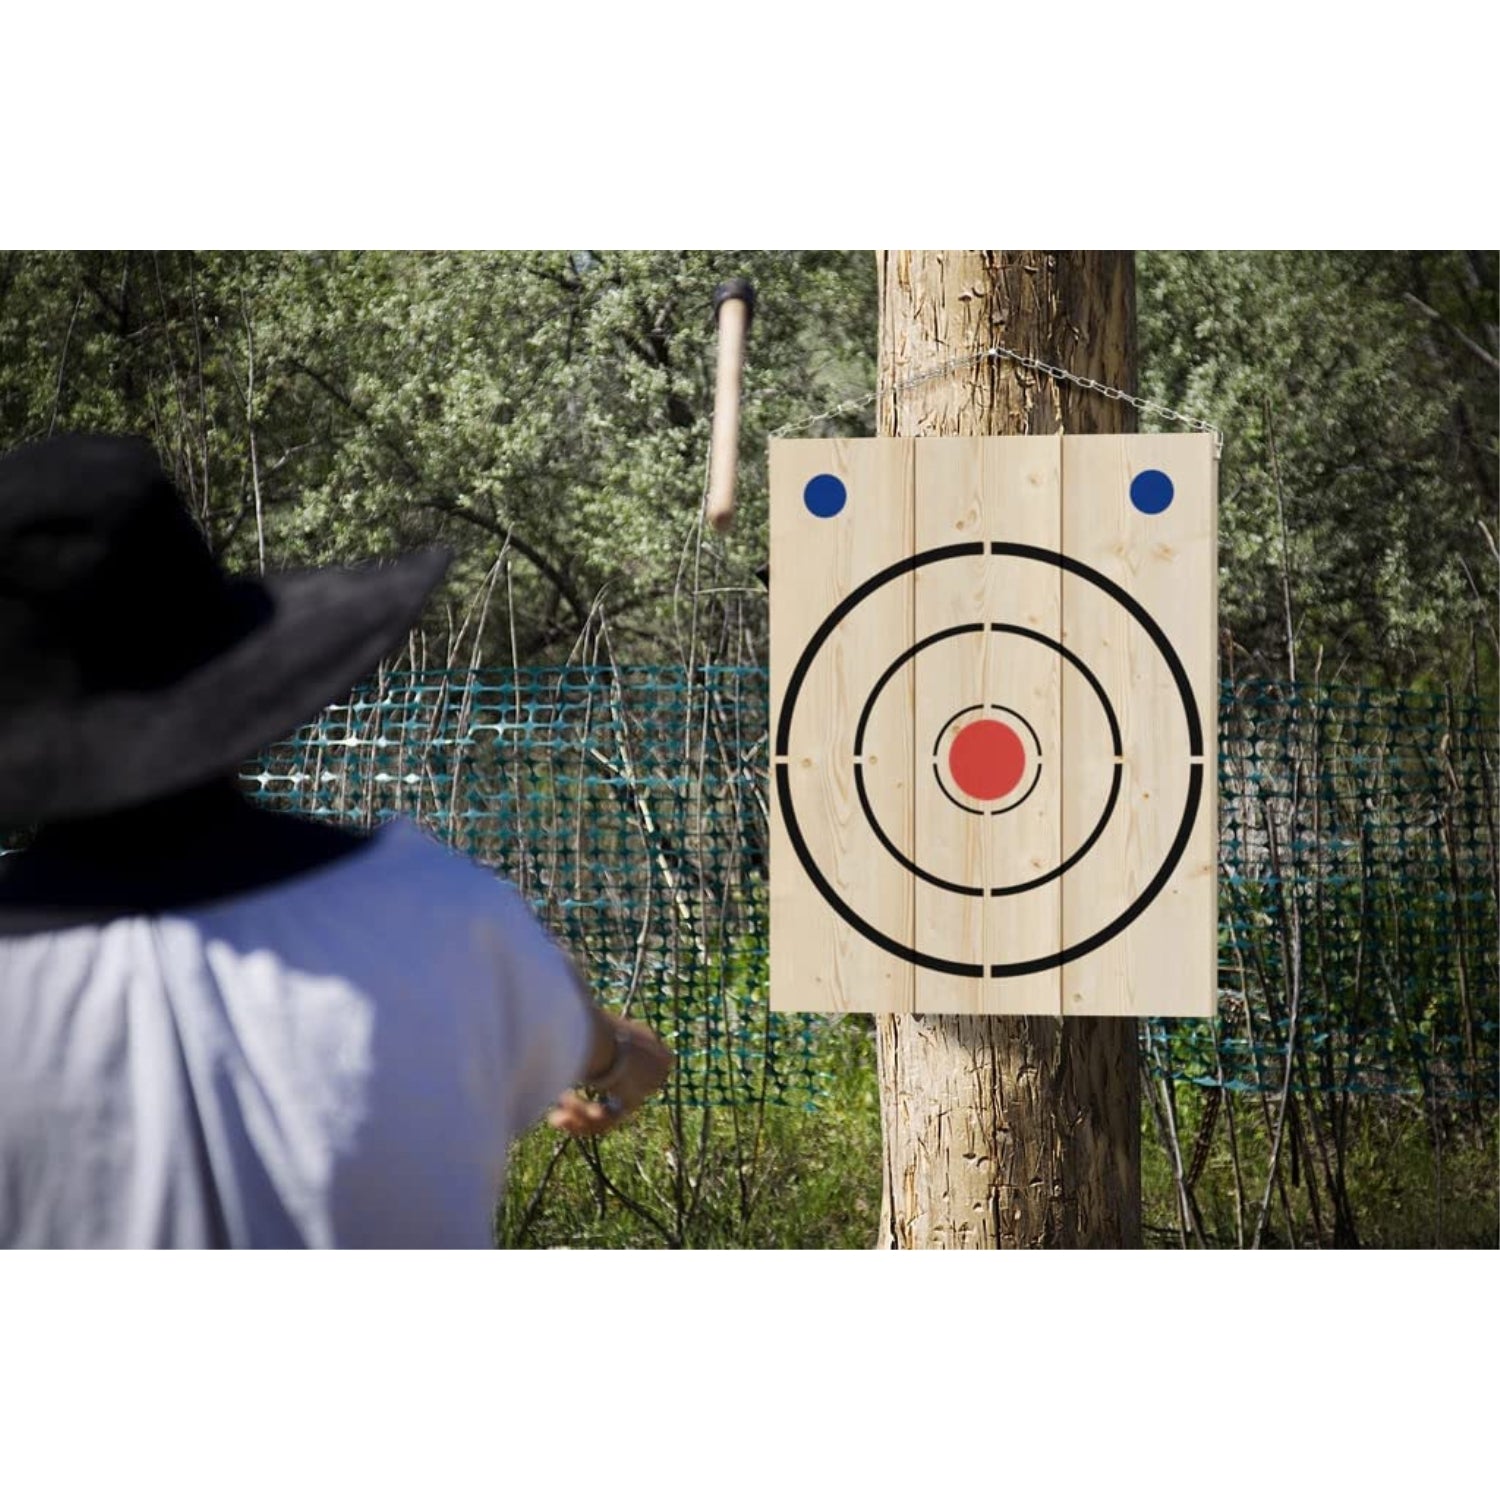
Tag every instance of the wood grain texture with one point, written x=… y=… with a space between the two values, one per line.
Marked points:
x=964 y=1180
x=724 y=441
x=818 y=962
x=951 y=506
x=971 y=490
x=1164 y=962
x=1007 y=1130
x=1075 y=309
x=883 y=822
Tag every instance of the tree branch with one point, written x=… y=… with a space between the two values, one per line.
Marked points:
x=62 y=364
x=445 y=506
x=1458 y=333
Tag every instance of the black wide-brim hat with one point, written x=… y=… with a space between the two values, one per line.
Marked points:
x=131 y=665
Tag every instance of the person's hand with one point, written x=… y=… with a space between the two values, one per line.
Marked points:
x=634 y=1063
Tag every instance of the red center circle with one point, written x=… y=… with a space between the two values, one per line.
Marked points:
x=987 y=759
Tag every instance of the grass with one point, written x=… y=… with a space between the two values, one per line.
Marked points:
x=1412 y=1182
x=715 y=1177
x=780 y=1177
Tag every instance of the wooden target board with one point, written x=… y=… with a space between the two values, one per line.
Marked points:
x=993 y=705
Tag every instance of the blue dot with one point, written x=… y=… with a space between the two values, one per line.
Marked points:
x=824 y=495
x=1151 y=492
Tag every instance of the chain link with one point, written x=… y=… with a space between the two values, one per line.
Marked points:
x=843 y=409
x=1028 y=361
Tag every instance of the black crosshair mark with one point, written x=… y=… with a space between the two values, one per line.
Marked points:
x=1195 y=750
x=987 y=812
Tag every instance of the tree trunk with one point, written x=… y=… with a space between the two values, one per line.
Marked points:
x=1008 y=1132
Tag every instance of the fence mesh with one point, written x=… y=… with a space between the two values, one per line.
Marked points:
x=1359 y=864
x=1358 y=880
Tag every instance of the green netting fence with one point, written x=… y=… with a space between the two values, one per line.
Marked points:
x=1359 y=868
x=1358 y=879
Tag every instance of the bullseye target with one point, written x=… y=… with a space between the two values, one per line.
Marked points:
x=990 y=752
x=987 y=759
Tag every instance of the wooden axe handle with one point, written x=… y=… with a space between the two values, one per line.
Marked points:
x=734 y=306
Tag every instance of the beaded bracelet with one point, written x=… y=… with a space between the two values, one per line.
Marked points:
x=603 y=1082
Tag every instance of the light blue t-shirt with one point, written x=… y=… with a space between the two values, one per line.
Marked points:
x=339 y=1059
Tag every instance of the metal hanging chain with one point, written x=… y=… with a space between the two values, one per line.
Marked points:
x=998 y=352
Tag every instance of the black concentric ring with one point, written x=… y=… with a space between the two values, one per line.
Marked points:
x=1094 y=834
x=815 y=645
x=998 y=708
x=987 y=812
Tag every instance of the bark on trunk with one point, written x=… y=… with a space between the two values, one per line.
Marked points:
x=1008 y=1132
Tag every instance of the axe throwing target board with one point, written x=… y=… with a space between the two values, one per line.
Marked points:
x=993 y=699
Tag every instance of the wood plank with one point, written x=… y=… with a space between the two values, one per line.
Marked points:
x=948 y=676
x=1026 y=676
x=998 y=681
x=820 y=960
x=1163 y=961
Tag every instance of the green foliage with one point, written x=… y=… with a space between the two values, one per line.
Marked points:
x=811 y=1178
x=742 y=1176
x=1357 y=393
x=555 y=401
x=561 y=400
x=751 y=1172
x=1415 y=1180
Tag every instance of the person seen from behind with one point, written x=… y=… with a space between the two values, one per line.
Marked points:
x=223 y=1026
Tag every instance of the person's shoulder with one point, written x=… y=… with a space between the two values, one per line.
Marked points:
x=404 y=845
x=410 y=880
x=403 y=850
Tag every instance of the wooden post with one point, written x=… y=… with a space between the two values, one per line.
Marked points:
x=1008 y=1132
